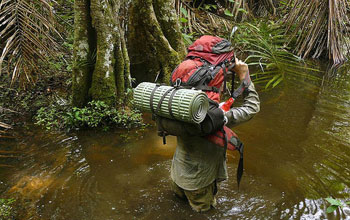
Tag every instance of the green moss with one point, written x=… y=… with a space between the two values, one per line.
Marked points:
x=147 y=36
x=166 y=15
x=81 y=49
x=120 y=68
x=103 y=85
x=127 y=76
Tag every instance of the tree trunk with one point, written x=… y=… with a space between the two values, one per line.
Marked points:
x=101 y=64
x=154 y=40
x=82 y=69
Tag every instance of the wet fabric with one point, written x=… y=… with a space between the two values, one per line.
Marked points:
x=201 y=200
x=198 y=162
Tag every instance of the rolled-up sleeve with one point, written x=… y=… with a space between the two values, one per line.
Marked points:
x=250 y=106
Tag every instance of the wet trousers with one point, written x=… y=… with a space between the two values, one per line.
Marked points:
x=201 y=200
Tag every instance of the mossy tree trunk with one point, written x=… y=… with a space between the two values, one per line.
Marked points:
x=101 y=64
x=154 y=39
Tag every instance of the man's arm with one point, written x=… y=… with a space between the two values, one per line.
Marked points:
x=251 y=103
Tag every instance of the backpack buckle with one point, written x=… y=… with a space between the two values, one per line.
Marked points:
x=177 y=82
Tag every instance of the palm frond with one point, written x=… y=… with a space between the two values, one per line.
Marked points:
x=273 y=62
x=26 y=40
x=322 y=27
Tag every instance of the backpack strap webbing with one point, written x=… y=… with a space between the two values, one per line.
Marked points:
x=164 y=133
x=170 y=102
x=207 y=88
x=162 y=99
x=223 y=66
x=233 y=83
x=202 y=87
x=151 y=101
x=225 y=141
x=240 y=148
x=240 y=163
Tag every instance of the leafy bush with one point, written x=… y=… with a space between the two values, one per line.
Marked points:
x=95 y=114
x=6 y=210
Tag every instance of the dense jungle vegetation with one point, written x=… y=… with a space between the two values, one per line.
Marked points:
x=56 y=55
x=72 y=64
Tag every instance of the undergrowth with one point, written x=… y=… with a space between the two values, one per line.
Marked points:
x=17 y=104
x=96 y=114
x=6 y=209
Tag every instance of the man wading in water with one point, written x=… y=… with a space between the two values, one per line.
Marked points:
x=198 y=164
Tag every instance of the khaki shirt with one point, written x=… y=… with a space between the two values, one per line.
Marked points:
x=198 y=162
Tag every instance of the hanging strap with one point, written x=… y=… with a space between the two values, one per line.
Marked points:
x=223 y=66
x=240 y=148
x=240 y=163
x=233 y=83
x=225 y=141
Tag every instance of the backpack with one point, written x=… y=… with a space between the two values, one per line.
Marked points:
x=205 y=68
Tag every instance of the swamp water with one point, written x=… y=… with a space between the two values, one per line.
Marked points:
x=297 y=153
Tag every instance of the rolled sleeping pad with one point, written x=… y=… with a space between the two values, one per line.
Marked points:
x=187 y=105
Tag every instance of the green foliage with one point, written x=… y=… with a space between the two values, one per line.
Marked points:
x=16 y=104
x=183 y=11
x=183 y=20
x=243 y=10
x=334 y=204
x=6 y=209
x=209 y=7
x=265 y=43
x=50 y=118
x=96 y=114
x=188 y=38
x=228 y=13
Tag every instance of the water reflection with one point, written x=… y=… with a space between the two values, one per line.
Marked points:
x=297 y=153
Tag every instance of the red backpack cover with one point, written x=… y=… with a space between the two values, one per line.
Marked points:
x=205 y=65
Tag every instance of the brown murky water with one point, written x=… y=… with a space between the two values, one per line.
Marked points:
x=297 y=154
